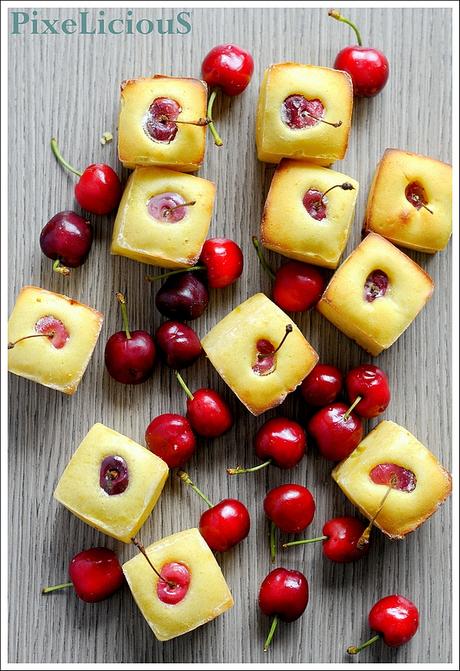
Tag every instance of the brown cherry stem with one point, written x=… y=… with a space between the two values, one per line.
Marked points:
x=417 y=198
x=167 y=211
x=124 y=313
x=334 y=124
x=263 y=261
x=35 y=335
x=346 y=186
x=304 y=541
x=352 y=407
x=261 y=356
x=364 y=538
x=54 y=588
x=186 y=478
x=142 y=550
x=183 y=384
x=163 y=276
x=198 y=122
x=60 y=269
x=239 y=469
x=353 y=649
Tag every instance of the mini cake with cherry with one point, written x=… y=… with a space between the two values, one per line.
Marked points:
x=391 y=456
x=375 y=294
x=271 y=354
x=51 y=338
x=163 y=218
x=191 y=590
x=308 y=213
x=163 y=122
x=304 y=112
x=410 y=201
x=112 y=483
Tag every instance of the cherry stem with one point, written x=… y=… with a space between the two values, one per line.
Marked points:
x=272 y=541
x=198 y=122
x=186 y=478
x=335 y=124
x=352 y=406
x=153 y=278
x=304 y=541
x=142 y=550
x=35 y=335
x=217 y=139
x=264 y=356
x=60 y=269
x=353 y=650
x=271 y=633
x=239 y=469
x=417 y=198
x=54 y=588
x=167 y=211
x=364 y=538
x=346 y=186
x=335 y=14
x=182 y=383
x=56 y=151
x=263 y=261
x=124 y=313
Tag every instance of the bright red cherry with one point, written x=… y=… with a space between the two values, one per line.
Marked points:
x=280 y=441
x=367 y=67
x=67 y=239
x=171 y=438
x=178 y=343
x=229 y=68
x=174 y=583
x=336 y=430
x=207 y=412
x=284 y=595
x=98 y=190
x=129 y=356
x=298 y=286
x=370 y=384
x=340 y=540
x=224 y=525
x=291 y=508
x=322 y=386
x=394 y=618
x=223 y=259
x=95 y=574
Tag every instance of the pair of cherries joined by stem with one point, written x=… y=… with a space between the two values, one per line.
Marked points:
x=223 y=525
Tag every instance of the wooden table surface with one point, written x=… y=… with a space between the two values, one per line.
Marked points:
x=68 y=86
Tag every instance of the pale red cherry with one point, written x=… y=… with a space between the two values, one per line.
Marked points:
x=53 y=328
x=167 y=207
x=174 y=583
x=392 y=474
x=297 y=112
x=159 y=121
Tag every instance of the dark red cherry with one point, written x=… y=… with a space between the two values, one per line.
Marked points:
x=223 y=259
x=159 y=122
x=174 y=583
x=322 y=386
x=376 y=285
x=114 y=475
x=291 y=508
x=67 y=239
x=298 y=286
x=314 y=204
x=337 y=432
x=370 y=385
x=178 y=343
x=171 y=438
x=228 y=67
x=394 y=475
x=415 y=194
x=182 y=297
x=297 y=112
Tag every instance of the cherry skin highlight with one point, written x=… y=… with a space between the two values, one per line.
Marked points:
x=371 y=384
x=395 y=618
x=229 y=68
x=175 y=582
x=171 y=438
x=291 y=508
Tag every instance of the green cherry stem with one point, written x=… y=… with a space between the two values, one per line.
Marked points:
x=124 y=314
x=163 y=276
x=217 y=139
x=239 y=469
x=304 y=541
x=352 y=407
x=54 y=588
x=56 y=151
x=60 y=269
x=186 y=478
x=272 y=541
x=271 y=633
x=263 y=261
x=353 y=650
x=335 y=14
x=183 y=384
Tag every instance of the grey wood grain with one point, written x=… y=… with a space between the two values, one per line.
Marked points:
x=69 y=86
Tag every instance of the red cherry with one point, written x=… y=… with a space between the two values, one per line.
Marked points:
x=283 y=594
x=129 y=356
x=174 y=583
x=223 y=260
x=171 y=438
x=291 y=508
x=336 y=432
x=322 y=386
x=67 y=239
x=98 y=190
x=394 y=475
x=207 y=412
x=228 y=67
x=370 y=384
x=394 y=618
x=340 y=540
x=178 y=343
x=367 y=67
x=297 y=286
x=95 y=574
